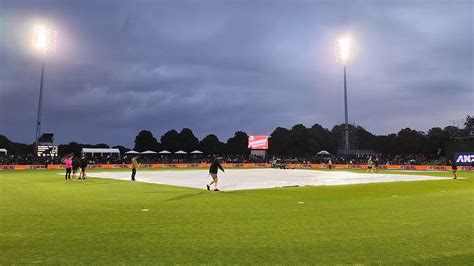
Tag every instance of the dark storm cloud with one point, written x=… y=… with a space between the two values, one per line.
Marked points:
x=218 y=67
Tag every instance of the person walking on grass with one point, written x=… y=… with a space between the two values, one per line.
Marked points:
x=83 y=166
x=135 y=165
x=213 y=172
x=376 y=165
x=370 y=165
x=68 y=165
x=454 y=168
x=75 y=166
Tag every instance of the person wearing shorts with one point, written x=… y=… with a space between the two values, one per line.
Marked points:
x=213 y=172
x=454 y=168
x=370 y=165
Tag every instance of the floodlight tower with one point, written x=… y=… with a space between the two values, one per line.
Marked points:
x=45 y=42
x=343 y=52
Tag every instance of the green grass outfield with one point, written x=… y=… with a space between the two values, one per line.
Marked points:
x=44 y=219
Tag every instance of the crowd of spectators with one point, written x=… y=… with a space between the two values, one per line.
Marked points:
x=30 y=159
x=412 y=159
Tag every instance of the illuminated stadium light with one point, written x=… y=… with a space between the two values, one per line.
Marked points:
x=343 y=54
x=45 y=39
x=343 y=49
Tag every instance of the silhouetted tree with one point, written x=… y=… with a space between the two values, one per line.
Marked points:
x=297 y=141
x=187 y=141
x=303 y=143
x=365 y=139
x=434 y=142
x=76 y=148
x=409 y=141
x=238 y=144
x=121 y=148
x=99 y=145
x=211 y=145
x=70 y=148
x=451 y=131
x=146 y=141
x=387 y=144
x=279 y=142
x=324 y=138
x=15 y=148
x=468 y=125
x=171 y=141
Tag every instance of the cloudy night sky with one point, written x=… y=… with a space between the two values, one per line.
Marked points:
x=222 y=66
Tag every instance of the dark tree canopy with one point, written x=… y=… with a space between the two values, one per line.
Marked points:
x=121 y=148
x=238 y=143
x=14 y=148
x=409 y=142
x=76 y=148
x=301 y=143
x=170 y=141
x=145 y=141
x=297 y=141
x=211 y=145
x=278 y=142
x=324 y=138
x=187 y=141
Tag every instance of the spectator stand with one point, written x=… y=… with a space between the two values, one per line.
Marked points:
x=179 y=154
x=101 y=154
x=164 y=156
x=148 y=156
x=197 y=156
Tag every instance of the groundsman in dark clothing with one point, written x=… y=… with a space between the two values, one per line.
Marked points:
x=75 y=166
x=83 y=166
x=213 y=172
x=454 y=168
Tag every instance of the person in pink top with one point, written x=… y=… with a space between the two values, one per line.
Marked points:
x=68 y=163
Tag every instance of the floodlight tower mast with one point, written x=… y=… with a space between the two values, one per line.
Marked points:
x=45 y=41
x=343 y=48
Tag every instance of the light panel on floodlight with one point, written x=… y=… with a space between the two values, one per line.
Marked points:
x=343 y=48
x=45 y=39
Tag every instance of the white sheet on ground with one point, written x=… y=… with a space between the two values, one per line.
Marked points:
x=239 y=179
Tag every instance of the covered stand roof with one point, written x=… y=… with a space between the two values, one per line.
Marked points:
x=149 y=152
x=100 y=150
x=180 y=152
x=196 y=152
x=132 y=152
x=164 y=152
x=323 y=152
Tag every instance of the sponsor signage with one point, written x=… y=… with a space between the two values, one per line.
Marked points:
x=464 y=158
x=249 y=165
x=258 y=142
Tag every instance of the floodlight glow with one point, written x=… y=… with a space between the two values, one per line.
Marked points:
x=45 y=39
x=344 y=49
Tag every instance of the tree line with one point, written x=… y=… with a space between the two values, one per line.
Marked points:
x=296 y=141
